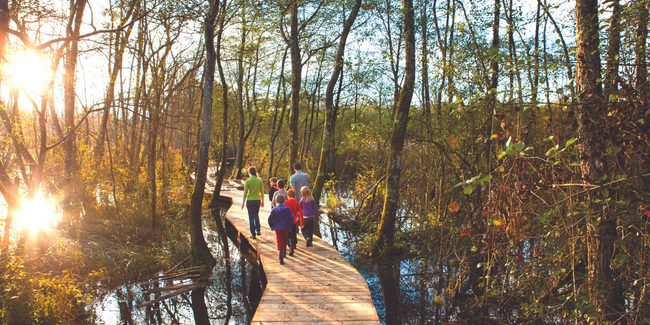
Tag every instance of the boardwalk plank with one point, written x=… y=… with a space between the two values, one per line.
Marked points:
x=315 y=286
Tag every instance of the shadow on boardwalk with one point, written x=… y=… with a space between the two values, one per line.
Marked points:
x=316 y=285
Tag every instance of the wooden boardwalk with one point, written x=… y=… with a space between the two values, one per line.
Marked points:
x=316 y=285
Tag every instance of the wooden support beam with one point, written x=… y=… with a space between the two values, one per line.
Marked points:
x=187 y=288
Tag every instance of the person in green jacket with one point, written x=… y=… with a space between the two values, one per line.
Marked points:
x=254 y=198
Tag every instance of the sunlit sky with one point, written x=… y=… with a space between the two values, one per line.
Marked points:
x=92 y=70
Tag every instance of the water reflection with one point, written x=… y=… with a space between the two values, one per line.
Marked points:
x=345 y=242
x=225 y=300
x=235 y=288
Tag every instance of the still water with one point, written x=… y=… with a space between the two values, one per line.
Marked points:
x=228 y=299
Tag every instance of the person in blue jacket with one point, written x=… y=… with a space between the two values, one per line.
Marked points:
x=281 y=221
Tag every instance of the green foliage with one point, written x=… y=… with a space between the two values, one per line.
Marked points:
x=37 y=292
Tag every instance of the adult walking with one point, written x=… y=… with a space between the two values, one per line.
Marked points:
x=254 y=198
x=298 y=180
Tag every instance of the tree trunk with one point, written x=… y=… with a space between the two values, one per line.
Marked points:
x=425 y=59
x=565 y=49
x=141 y=86
x=535 y=84
x=278 y=123
x=445 y=46
x=151 y=167
x=296 y=79
x=386 y=232
x=200 y=252
x=120 y=46
x=4 y=24
x=610 y=82
x=199 y=307
x=69 y=95
x=241 y=140
x=389 y=275
x=601 y=234
x=330 y=111
x=641 y=78
x=9 y=192
x=590 y=94
x=394 y=57
x=494 y=78
x=224 y=98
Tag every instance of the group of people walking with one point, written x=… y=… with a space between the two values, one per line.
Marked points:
x=292 y=208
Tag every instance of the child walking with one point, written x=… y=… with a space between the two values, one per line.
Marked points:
x=309 y=211
x=281 y=191
x=297 y=219
x=280 y=221
x=274 y=187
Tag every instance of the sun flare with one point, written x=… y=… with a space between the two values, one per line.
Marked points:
x=28 y=70
x=36 y=215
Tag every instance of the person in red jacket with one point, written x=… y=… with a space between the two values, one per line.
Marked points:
x=297 y=219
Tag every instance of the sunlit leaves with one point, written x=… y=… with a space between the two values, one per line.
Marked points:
x=621 y=258
x=512 y=149
x=453 y=206
x=468 y=185
x=557 y=155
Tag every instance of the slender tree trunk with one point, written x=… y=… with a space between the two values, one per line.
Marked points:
x=69 y=95
x=296 y=79
x=641 y=78
x=450 y=58
x=158 y=75
x=4 y=24
x=315 y=108
x=447 y=50
x=224 y=98
x=151 y=166
x=141 y=89
x=565 y=49
x=200 y=252
x=494 y=78
x=120 y=46
x=494 y=63
x=241 y=140
x=425 y=59
x=394 y=56
x=535 y=84
x=513 y=57
x=38 y=173
x=511 y=48
x=277 y=121
x=610 y=82
x=9 y=191
x=386 y=233
x=330 y=111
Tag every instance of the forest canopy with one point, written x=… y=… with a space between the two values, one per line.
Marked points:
x=490 y=158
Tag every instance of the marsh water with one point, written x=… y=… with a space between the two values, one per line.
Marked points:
x=231 y=297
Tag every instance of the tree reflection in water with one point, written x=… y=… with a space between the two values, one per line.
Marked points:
x=226 y=300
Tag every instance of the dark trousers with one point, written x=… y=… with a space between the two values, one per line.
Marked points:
x=293 y=239
x=308 y=230
x=253 y=207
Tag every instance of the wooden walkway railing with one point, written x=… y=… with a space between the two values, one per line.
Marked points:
x=316 y=285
